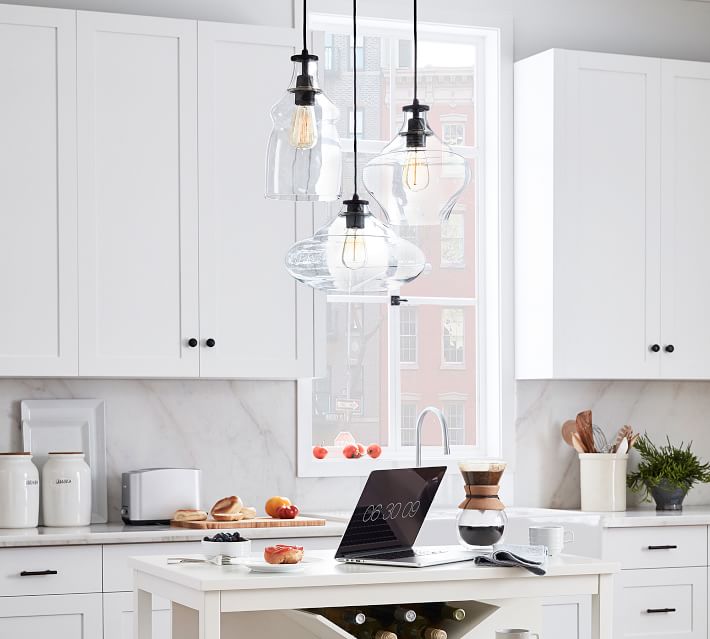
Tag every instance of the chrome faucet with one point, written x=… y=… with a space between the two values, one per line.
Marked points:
x=444 y=430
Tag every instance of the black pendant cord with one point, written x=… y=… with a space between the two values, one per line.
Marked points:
x=416 y=52
x=355 y=99
x=305 y=37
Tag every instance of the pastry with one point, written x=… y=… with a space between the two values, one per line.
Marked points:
x=188 y=514
x=249 y=512
x=228 y=516
x=227 y=506
x=281 y=554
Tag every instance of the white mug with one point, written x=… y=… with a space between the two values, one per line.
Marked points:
x=554 y=537
x=516 y=633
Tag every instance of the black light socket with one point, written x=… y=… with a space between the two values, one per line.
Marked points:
x=355 y=212
x=304 y=92
x=416 y=126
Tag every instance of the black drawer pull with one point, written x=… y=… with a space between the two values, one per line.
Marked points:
x=653 y=611
x=35 y=573
x=669 y=547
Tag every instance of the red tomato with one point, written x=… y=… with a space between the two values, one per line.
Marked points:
x=374 y=450
x=287 y=512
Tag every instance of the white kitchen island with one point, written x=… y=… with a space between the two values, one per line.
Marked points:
x=210 y=602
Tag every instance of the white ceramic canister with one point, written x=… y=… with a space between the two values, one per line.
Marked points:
x=66 y=490
x=19 y=491
x=603 y=481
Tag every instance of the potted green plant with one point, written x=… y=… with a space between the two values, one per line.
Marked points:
x=667 y=472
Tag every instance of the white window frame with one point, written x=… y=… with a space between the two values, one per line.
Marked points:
x=495 y=232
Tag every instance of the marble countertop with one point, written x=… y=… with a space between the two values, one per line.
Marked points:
x=118 y=533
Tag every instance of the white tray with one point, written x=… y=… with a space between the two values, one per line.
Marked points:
x=70 y=425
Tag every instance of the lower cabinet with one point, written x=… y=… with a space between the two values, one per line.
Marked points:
x=567 y=618
x=55 y=616
x=667 y=603
x=118 y=616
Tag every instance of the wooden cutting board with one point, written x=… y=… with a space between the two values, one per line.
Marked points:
x=258 y=522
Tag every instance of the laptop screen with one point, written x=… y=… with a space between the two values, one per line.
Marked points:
x=391 y=509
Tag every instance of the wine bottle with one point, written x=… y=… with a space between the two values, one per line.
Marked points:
x=441 y=611
x=371 y=629
x=392 y=614
x=422 y=631
x=349 y=616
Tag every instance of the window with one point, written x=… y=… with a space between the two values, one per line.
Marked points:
x=455 y=413
x=381 y=363
x=453 y=240
x=453 y=133
x=328 y=52
x=408 y=335
x=359 y=52
x=408 y=431
x=360 y=124
x=452 y=336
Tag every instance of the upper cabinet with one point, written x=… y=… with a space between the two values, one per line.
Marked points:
x=38 y=290
x=138 y=216
x=256 y=315
x=611 y=176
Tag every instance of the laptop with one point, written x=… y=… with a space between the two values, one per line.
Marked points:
x=388 y=518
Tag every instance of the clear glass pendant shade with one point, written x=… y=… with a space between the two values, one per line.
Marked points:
x=417 y=178
x=369 y=259
x=303 y=159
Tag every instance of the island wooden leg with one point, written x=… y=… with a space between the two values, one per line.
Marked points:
x=602 y=609
x=210 y=616
x=142 y=614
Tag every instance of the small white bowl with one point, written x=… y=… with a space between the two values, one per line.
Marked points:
x=227 y=548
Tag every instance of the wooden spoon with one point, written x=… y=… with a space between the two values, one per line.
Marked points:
x=569 y=428
x=577 y=443
x=586 y=430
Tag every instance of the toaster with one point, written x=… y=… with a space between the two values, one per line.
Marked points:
x=152 y=495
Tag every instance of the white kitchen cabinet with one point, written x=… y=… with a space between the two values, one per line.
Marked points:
x=118 y=616
x=685 y=223
x=567 y=618
x=38 y=290
x=258 y=317
x=138 y=218
x=55 y=616
x=587 y=168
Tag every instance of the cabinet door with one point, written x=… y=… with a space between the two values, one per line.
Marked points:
x=607 y=216
x=138 y=230
x=38 y=317
x=567 y=618
x=685 y=190
x=118 y=616
x=55 y=616
x=259 y=317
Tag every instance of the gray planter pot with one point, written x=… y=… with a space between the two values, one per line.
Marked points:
x=668 y=497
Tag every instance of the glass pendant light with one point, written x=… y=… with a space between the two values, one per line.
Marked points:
x=417 y=178
x=355 y=252
x=303 y=159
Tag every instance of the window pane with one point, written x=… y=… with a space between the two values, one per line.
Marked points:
x=409 y=423
x=408 y=335
x=453 y=240
x=448 y=386
x=352 y=398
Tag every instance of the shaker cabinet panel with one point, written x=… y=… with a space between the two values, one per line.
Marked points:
x=257 y=315
x=587 y=216
x=138 y=218
x=38 y=290
x=685 y=189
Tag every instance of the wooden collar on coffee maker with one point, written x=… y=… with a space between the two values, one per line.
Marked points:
x=481 y=498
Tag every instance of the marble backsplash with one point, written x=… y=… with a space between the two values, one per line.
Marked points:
x=547 y=474
x=242 y=434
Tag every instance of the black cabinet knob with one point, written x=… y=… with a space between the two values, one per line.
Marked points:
x=192 y=342
x=655 y=348
x=669 y=349
x=209 y=342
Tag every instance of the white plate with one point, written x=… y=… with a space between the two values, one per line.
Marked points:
x=259 y=565
x=70 y=425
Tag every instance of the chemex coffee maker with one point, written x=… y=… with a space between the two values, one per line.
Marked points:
x=482 y=519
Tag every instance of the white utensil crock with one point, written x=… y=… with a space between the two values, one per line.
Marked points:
x=603 y=481
x=19 y=491
x=66 y=490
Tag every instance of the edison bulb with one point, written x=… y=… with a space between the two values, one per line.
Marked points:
x=304 y=128
x=415 y=173
x=354 y=255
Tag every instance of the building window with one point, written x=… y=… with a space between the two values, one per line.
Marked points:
x=453 y=240
x=328 y=52
x=408 y=335
x=453 y=133
x=455 y=413
x=452 y=333
x=405 y=55
x=359 y=52
x=408 y=431
x=360 y=124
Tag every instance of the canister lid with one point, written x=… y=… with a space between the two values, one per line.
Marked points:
x=25 y=453
x=58 y=452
